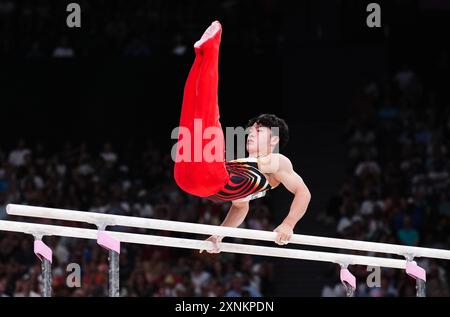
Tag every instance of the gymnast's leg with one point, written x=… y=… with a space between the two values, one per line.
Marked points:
x=200 y=101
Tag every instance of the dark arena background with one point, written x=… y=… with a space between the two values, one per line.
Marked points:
x=87 y=115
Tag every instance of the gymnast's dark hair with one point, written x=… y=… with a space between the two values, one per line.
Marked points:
x=272 y=121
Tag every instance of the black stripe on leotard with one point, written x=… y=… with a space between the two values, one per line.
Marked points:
x=245 y=180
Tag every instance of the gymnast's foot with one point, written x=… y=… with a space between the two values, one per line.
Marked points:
x=212 y=34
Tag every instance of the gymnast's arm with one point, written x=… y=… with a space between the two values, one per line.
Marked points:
x=236 y=215
x=286 y=175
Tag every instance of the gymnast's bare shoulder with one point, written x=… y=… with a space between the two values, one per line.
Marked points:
x=280 y=170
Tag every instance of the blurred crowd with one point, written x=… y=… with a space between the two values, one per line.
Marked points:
x=398 y=185
x=132 y=28
x=135 y=180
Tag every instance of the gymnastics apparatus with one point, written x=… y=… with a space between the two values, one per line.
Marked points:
x=111 y=241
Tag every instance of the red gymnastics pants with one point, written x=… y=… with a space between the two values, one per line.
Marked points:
x=200 y=101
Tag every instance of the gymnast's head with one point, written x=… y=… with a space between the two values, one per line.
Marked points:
x=266 y=133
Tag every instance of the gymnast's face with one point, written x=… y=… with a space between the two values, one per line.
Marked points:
x=260 y=140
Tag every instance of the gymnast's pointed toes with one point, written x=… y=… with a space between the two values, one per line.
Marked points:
x=213 y=31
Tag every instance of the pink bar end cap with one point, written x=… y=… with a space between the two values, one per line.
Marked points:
x=108 y=242
x=413 y=270
x=348 y=277
x=42 y=250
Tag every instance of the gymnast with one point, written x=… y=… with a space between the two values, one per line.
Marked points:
x=242 y=180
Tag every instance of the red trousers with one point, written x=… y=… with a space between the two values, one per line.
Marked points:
x=200 y=101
